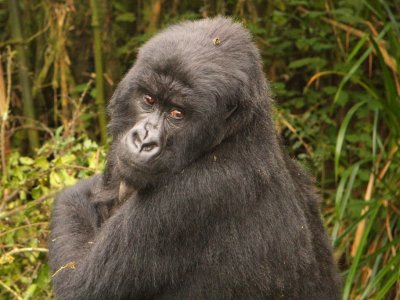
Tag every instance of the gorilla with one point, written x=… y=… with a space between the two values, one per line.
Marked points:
x=198 y=199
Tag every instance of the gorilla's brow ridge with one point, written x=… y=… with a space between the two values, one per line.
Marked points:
x=165 y=88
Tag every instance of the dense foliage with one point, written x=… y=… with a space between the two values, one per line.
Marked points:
x=334 y=69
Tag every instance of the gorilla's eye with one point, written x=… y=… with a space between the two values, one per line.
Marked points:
x=149 y=100
x=176 y=114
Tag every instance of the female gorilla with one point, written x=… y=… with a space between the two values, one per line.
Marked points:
x=198 y=200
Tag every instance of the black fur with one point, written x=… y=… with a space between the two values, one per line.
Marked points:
x=222 y=214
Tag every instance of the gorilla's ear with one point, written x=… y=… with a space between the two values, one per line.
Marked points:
x=231 y=109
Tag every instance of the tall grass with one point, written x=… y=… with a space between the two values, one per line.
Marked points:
x=370 y=240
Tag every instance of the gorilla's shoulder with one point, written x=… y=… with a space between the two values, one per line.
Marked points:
x=84 y=189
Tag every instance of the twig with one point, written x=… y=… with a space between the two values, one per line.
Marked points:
x=22 y=226
x=78 y=108
x=13 y=195
x=77 y=167
x=31 y=203
x=10 y=197
x=294 y=131
x=10 y=290
x=69 y=265
x=38 y=126
x=27 y=249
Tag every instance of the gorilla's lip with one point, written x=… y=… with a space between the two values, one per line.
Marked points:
x=121 y=162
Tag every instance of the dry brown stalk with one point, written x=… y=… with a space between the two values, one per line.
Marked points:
x=368 y=194
x=155 y=15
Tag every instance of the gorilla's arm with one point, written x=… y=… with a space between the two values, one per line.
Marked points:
x=133 y=254
x=101 y=262
x=78 y=237
x=74 y=223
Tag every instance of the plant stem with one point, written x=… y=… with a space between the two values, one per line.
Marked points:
x=99 y=70
x=23 y=73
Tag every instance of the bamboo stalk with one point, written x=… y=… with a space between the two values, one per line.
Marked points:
x=5 y=94
x=61 y=13
x=155 y=15
x=99 y=70
x=23 y=74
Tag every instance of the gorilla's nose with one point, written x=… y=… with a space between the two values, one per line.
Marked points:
x=142 y=143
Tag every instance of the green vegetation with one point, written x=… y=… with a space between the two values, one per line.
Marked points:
x=334 y=69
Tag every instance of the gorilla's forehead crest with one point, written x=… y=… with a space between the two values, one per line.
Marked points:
x=203 y=52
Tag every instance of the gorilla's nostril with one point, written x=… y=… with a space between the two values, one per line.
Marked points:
x=135 y=139
x=135 y=136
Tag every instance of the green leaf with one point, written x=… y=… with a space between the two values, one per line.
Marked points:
x=36 y=192
x=342 y=134
x=68 y=180
x=26 y=160
x=358 y=63
x=394 y=277
x=68 y=159
x=388 y=268
x=370 y=221
x=42 y=163
x=126 y=17
x=343 y=98
x=312 y=62
x=55 y=179
x=30 y=291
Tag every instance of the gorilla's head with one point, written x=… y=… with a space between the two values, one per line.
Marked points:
x=192 y=87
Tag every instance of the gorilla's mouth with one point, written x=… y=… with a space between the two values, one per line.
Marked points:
x=126 y=165
x=148 y=147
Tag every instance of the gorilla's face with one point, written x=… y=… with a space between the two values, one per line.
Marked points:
x=167 y=125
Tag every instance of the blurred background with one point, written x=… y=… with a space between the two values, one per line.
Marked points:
x=334 y=69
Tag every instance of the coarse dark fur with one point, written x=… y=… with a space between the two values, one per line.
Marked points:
x=222 y=214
